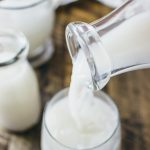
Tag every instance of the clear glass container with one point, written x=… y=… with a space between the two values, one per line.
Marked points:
x=20 y=104
x=49 y=142
x=114 y=44
x=35 y=18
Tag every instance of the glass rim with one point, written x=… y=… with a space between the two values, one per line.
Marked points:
x=23 y=6
x=22 y=50
x=69 y=147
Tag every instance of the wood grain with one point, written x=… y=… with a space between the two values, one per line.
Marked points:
x=130 y=91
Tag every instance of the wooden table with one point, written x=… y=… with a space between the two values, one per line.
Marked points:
x=131 y=91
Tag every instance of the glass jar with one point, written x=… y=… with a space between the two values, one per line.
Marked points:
x=49 y=141
x=115 y=44
x=20 y=104
x=35 y=18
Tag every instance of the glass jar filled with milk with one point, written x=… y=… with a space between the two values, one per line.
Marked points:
x=35 y=18
x=115 y=44
x=20 y=104
x=98 y=128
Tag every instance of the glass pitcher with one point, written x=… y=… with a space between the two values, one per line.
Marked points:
x=115 y=44
x=20 y=104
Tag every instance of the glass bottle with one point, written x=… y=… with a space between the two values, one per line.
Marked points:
x=20 y=104
x=115 y=44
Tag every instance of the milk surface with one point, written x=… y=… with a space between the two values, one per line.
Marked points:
x=36 y=22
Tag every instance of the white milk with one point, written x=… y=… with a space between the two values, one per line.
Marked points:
x=20 y=104
x=64 y=129
x=78 y=89
x=129 y=43
x=36 y=22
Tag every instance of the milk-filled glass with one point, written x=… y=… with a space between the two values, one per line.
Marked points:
x=35 y=18
x=20 y=104
x=59 y=131
x=117 y=43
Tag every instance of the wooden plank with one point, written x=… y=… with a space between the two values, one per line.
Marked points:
x=131 y=93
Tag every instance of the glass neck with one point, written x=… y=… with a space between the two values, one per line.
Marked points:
x=13 y=47
x=114 y=44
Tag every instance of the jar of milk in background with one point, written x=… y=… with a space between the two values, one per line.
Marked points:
x=20 y=104
x=35 y=19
